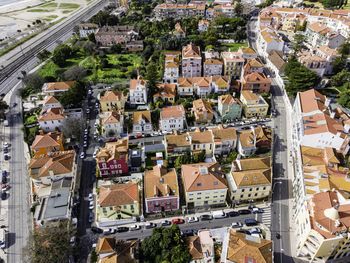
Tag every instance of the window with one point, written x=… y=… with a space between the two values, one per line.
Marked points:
x=242 y=196
x=199 y=184
x=124 y=206
x=251 y=189
x=264 y=188
x=243 y=190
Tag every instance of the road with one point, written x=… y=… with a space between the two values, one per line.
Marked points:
x=282 y=180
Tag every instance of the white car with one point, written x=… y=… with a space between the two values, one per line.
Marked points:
x=5 y=144
x=85 y=144
x=91 y=205
x=95 y=152
x=192 y=219
x=82 y=155
x=91 y=197
x=87 y=111
x=236 y=225
x=86 y=131
x=134 y=227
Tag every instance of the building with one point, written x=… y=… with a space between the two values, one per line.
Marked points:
x=204 y=185
x=250 y=179
x=51 y=102
x=86 y=29
x=201 y=247
x=246 y=144
x=191 y=61
x=202 y=142
x=202 y=86
x=313 y=62
x=137 y=92
x=177 y=145
x=117 y=201
x=112 y=160
x=161 y=190
x=239 y=247
x=225 y=140
x=229 y=108
x=248 y=53
x=56 y=88
x=47 y=143
x=233 y=64
x=110 y=249
x=329 y=55
x=253 y=66
x=212 y=67
x=142 y=122
x=277 y=64
x=268 y=40
x=225 y=10
x=171 y=67
x=107 y=36
x=203 y=25
x=202 y=111
x=178 y=11
x=315 y=123
x=179 y=32
x=112 y=123
x=254 y=105
x=134 y=46
x=220 y=84
x=256 y=82
x=318 y=34
x=172 y=118
x=166 y=92
x=51 y=120
x=112 y=100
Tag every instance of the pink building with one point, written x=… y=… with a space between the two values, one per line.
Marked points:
x=161 y=190
x=112 y=160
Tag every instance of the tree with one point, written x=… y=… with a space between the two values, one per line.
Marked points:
x=338 y=64
x=49 y=244
x=344 y=99
x=33 y=83
x=165 y=245
x=3 y=107
x=74 y=96
x=298 y=43
x=74 y=73
x=152 y=77
x=89 y=47
x=72 y=128
x=92 y=38
x=43 y=55
x=117 y=48
x=60 y=54
x=344 y=49
x=238 y=8
x=340 y=78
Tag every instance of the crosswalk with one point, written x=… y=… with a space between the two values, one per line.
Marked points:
x=266 y=216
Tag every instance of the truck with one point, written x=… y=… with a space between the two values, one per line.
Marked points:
x=2 y=238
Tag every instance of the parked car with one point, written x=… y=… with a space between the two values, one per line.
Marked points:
x=206 y=217
x=4 y=180
x=187 y=232
x=278 y=236
x=257 y=210
x=255 y=230
x=177 y=221
x=91 y=205
x=219 y=214
x=150 y=225
x=96 y=230
x=82 y=155
x=165 y=223
x=134 y=227
x=250 y=222
x=232 y=213
x=244 y=212
x=122 y=229
x=6 y=157
x=90 y=197
x=192 y=219
x=3 y=195
x=91 y=217
x=236 y=225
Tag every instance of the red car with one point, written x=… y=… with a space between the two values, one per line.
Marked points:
x=177 y=221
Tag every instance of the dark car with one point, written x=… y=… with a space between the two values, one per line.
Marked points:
x=187 y=232
x=206 y=217
x=3 y=195
x=232 y=214
x=96 y=230
x=150 y=225
x=250 y=222
x=122 y=229
x=6 y=157
x=244 y=231
x=278 y=236
x=244 y=212
x=165 y=223
x=4 y=173
x=4 y=180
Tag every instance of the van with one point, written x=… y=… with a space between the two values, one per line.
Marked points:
x=2 y=238
x=219 y=214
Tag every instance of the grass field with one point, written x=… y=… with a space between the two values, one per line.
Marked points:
x=39 y=10
x=67 y=11
x=68 y=6
x=49 y=5
x=234 y=46
x=50 y=18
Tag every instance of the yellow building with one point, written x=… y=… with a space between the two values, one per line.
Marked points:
x=112 y=100
x=46 y=143
x=202 y=141
x=254 y=105
x=118 y=201
x=204 y=184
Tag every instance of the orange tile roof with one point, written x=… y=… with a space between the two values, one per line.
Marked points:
x=63 y=85
x=138 y=81
x=176 y=111
x=141 y=115
x=319 y=28
x=194 y=246
x=221 y=134
x=160 y=182
x=50 y=100
x=198 y=137
x=113 y=150
x=312 y=100
x=105 y=245
x=249 y=95
x=166 y=90
x=257 y=77
x=111 y=117
x=213 y=61
x=228 y=99
x=202 y=105
x=203 y=177
x=242 y=247
x=118 y=194
x=51 y=114
x=178 y=140
x=191 y=51
x=111 y=95
x=47 y=140
x=320 y=123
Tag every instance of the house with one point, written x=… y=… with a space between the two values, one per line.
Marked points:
x=201 y=247
x=202 y=142
x=203 y=25
x=318 y=34
x=268 y=40
x=112 y=100
x=142 y=122
x=177 y=145
x=204 y=185
x=229 y=108
x=225 y=10
x=110 y=249
x=225 y=140
x=233 y=64
x=51 y=102
x=256 y=82
x=246 y=144
x=51 y=119
x=220 y=84
x=47 y=143
x=112 y=123
x=212 y=67
x=202 y=111
x=277 y=65
x=134 y=46
x=191 y=61
x=315 y=123
x=117 y=201
x=56 y=88
x=253 y=66
x=248 y=53
x=263 y=138
x=178 y=11
x=172 y=118
x=330 y=55
x=250 y=179
x=166 y=93
x=185 y=87
x=107 y=36
x=313 y=62
x=137 y=92
x=179 y=32
x=112 y=159
x=198 y=85
x=161 y=190
x=86 y=29
x=254 y=105
x=171 y=67
x=239 y=247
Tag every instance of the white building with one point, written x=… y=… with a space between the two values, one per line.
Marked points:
x=191 y=61
x=267 y=41
x=87 y=29
x=172 y=118
x=142 y=122
x=51 y=119
x=112 y=123
x=138 y=92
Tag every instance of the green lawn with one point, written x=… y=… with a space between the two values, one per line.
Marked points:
x=234 y=46
x=67 y=11
x=49 y=5
x=50 y=18
x=69 y=6
x=38 y=10
x=49 y=70
x=347 y=6
x=316 y=4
